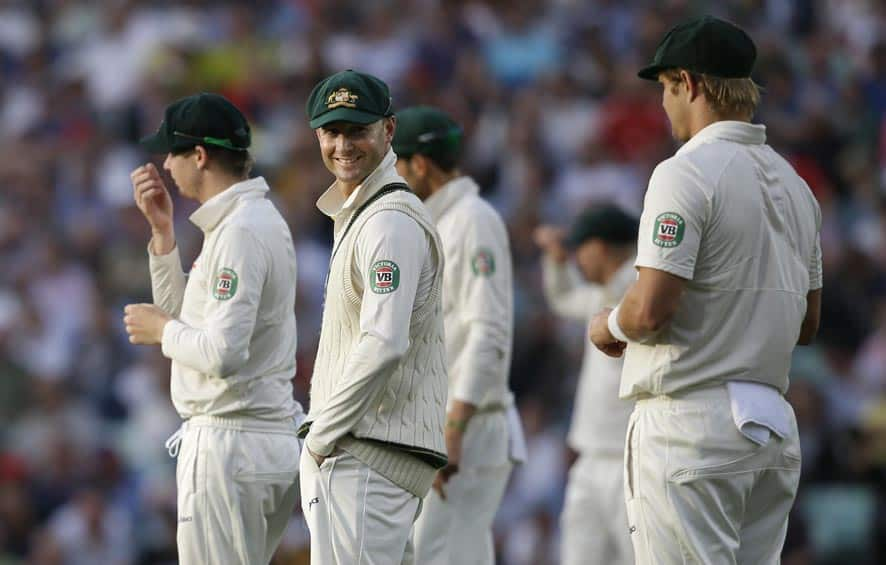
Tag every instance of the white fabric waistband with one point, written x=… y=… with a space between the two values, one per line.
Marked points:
x=286 y=426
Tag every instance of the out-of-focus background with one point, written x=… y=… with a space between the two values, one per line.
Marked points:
x=555 y=120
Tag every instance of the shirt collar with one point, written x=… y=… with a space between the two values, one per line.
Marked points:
x=739 y=132
x=333 y=203
x=450 y=193
x=211 y=212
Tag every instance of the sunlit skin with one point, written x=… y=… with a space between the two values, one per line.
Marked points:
x=185 y=172
x=352 y=151
x=687 y=108
x=423 y=175
x=675 y=100
x=414 y=172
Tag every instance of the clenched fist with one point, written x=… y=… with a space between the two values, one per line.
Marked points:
x=602 y=338
x=144 y=323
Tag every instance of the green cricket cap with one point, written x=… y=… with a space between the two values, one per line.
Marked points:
x=349 y=96
x=428 y=131
x=608 y=222
x=705 y=45
x=200 y=119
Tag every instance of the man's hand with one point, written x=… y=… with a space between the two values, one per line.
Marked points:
x=602 y=337
x=152 y=198
x=319 y=459
x=454 y=435
x=144 y=323
x=550 y=240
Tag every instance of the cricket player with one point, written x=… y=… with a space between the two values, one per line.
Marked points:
x=229 y=329
x=374 y=432
x=729 y=282
x=603 y=241
x=483 y=434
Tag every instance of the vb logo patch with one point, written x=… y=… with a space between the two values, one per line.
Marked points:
x=483 y=263
x=669 y=229
x=384 y=277
x=225 y=285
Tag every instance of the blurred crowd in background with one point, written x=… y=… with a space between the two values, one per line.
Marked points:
x=555 y=120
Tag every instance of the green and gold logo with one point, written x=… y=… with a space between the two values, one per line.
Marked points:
x=483 y=263
x=341 y=97
x=669 y=229
x=225 y=286
x=384 y=277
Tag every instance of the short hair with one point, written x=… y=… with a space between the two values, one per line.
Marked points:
x=725 y=95
x=235 y=163
x=446 y=162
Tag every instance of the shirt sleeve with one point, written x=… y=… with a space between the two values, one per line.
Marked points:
x=167 y=281
x=483 y=271
x=391 y=250
x=675 y=212
x=237 y=272
x=566 y=293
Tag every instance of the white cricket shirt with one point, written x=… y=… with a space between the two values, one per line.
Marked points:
x=478 y=296
x=233 y=343
x=733 y=218
x=599 y=417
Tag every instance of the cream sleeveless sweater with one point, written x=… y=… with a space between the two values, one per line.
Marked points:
x=401 y=435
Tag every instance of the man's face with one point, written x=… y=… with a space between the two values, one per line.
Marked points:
x=183 y=169
x=414 y=171
x=675 y=102
x=589 y=257
x=352 y=151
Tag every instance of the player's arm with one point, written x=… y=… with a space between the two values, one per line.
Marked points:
x=483 y=276
x=675 y=212
x=809 y=329
x=168 y=280
x=480 y=275
x=811 y=320
x=650 y=303
x=565 y=291
x=390 y=251
x=153 y=200
x=236 y=274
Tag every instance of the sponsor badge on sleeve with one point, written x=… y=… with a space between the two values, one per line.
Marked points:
x=384 y=277
x=225 y=285
x=669 y=228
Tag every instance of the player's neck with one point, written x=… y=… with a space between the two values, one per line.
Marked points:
x=441 y=179
x=215 y=184
x=706 y=116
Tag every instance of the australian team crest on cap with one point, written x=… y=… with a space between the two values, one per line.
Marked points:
x=342 y=97
x=669 y=228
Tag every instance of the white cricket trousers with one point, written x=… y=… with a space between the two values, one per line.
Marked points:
x=700 y=492
x=355 y=516
x=458 y=530
x=594 y=522
x=237 y=488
